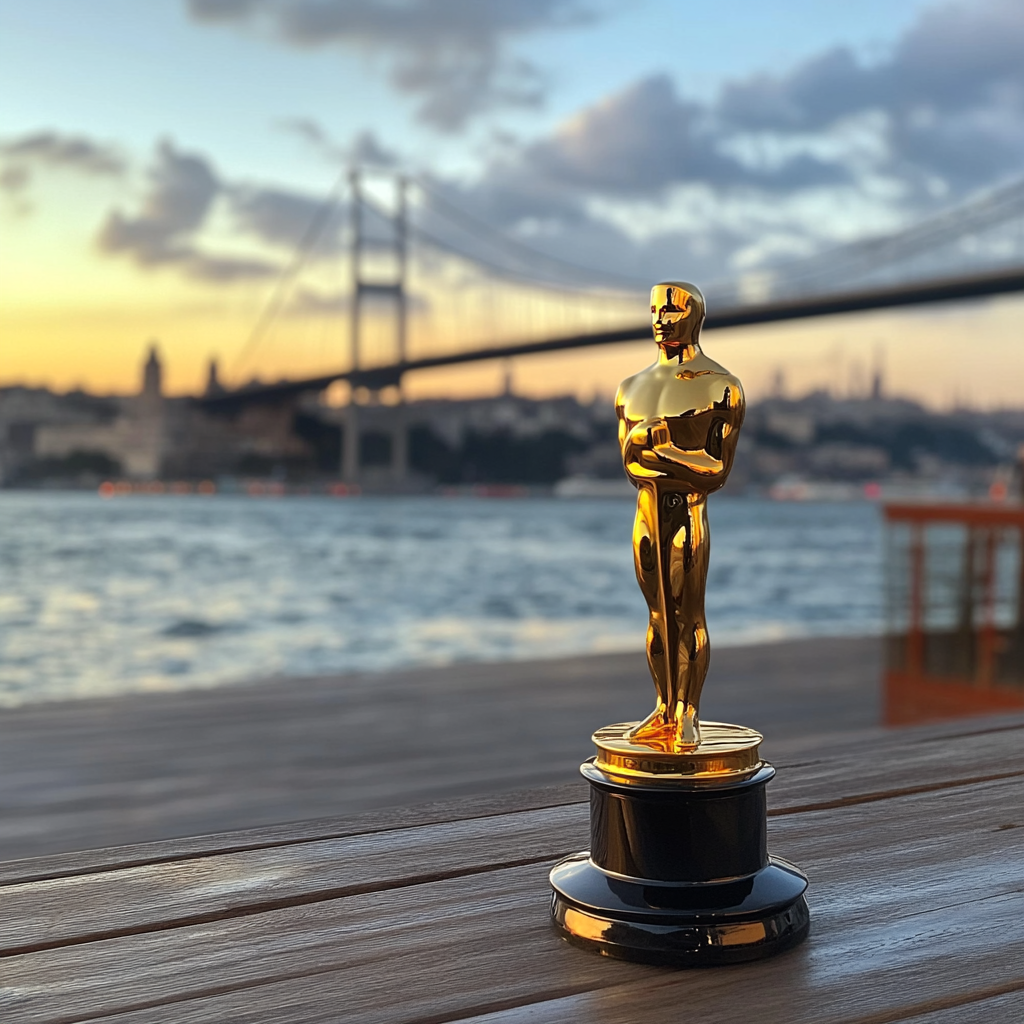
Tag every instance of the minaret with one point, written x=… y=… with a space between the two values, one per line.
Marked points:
x=877 y=379
x=213 y=384
x=152 y=374
x=144 y=423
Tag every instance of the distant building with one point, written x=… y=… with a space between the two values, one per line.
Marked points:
x=213 y=384
x=135 y=440
x=877 y=382
x=152 y=375
x=23 y=411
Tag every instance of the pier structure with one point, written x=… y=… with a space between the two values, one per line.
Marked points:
x=955 y=614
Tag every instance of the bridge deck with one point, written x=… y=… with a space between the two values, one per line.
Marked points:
x=914 y=293
x=913 y=842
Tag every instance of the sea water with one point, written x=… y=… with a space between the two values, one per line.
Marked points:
x=101 y=597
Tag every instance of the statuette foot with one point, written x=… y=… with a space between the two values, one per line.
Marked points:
x=667 y=732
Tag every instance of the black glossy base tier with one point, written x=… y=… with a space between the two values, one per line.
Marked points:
x=679 y=874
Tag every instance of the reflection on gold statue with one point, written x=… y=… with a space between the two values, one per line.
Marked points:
x=679 y=422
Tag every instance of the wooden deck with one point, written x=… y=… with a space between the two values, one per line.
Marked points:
x=913 y=841
x=111 y=771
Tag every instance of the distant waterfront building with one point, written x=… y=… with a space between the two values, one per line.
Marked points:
x=24 y=410
x=135 y=438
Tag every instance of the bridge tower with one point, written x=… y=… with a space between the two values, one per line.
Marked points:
x=375 y=435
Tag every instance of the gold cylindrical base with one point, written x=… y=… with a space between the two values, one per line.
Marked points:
x=724 y=752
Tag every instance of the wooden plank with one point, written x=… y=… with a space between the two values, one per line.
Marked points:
x=84 y=862
x=872 y=997
x=841 y=770
x=1000 y=1009
x=904 y=762
x=87 y=907
x=891 y=920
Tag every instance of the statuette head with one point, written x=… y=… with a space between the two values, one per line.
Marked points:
x=677 y=312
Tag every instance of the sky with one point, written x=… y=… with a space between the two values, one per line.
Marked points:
x=159 y=163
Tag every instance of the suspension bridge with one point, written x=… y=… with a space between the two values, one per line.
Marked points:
x=426 y=285
x=391 y=277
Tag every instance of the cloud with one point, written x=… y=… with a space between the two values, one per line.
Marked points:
x=776 y=164
x=647 y=137
x=312 y=133
x=51 y=149
x=556 y=234
x=22 y=157
x=944 y=109
x=226 y=269
x=610 y=186
x=950 y=95
x=223 y=10
x=365 y=149
x=282 y=218
x=182 y=190
x=455 y=56
x=313 y=302
x=634 y=141
x=14 y=179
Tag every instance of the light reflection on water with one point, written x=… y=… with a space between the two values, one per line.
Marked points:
x=101 y=597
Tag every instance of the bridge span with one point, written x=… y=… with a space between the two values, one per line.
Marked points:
x=376 y=378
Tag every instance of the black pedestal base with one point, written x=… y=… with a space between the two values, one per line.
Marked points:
x=679 y=874
x=681 y=926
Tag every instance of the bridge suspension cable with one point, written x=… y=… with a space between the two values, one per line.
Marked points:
x=279 y=293
x=588 y=278
x=918 y=250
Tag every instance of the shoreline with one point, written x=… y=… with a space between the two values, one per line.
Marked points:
x=85 y=773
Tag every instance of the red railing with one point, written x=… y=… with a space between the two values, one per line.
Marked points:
x=977 y=664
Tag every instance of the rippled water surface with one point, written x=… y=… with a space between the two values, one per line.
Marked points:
x=100 y=597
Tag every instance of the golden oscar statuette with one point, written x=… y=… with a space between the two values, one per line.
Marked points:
x=678 y=870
